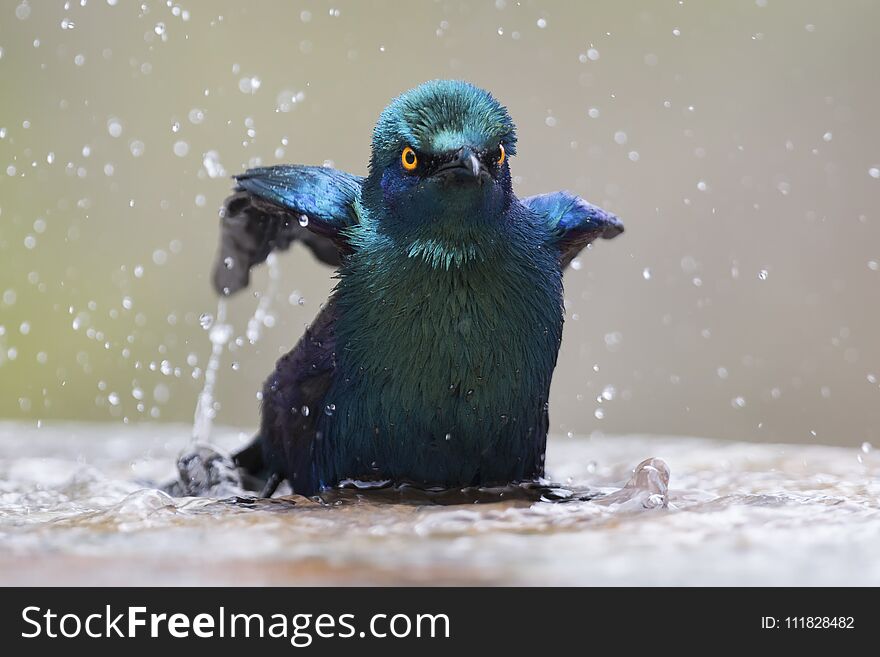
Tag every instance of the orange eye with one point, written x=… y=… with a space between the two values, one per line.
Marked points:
x=502 y=154
x=408 y=159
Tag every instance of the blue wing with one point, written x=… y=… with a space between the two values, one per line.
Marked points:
x=274 y=206
x=573 y=222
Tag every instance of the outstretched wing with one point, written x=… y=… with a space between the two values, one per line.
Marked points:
x=573 y=222
x=275 y=206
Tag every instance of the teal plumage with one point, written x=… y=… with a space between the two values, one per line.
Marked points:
x=431 y=363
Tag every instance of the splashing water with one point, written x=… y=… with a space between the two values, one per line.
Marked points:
x=79 y=504
x=262 y=317
x=219 y=333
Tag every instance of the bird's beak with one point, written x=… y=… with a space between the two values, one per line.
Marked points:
x=475 y=164
x=465 y=165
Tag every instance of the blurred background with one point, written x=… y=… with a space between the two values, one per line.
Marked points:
x=738 y=141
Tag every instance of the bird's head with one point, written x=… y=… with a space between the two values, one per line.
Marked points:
x=440 y=160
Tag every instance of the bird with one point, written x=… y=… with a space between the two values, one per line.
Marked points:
x=430 y=364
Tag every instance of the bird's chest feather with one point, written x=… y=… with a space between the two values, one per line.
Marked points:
x=476 y=328
x=458 y=352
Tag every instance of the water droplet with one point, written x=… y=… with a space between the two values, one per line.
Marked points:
x=592 y=54
x=305 y=411
x=113 y=398
x=874 y=172
x=159 y=29
x=114 y=127
x=867 y=448
x=763 y=274
x=206 y=320
x=235 y=365
x=599 y=414
x=620 y=137
x=287 y=100
x=181 y=148
x=303 y=220
x=248 y=85
x=542 y=23
x=593 y=112
x=613 y=339
x=738 y=402
x=23 y=11
x=329 y=409
x=211 y=162
x=646 y=273
x=448 y=436
x=161 y=393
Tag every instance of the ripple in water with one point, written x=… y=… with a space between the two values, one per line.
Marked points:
x=79 y=504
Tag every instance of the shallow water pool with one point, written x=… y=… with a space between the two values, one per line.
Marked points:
x=79 y=505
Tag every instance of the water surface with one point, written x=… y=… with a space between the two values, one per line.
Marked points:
x=79 y=505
